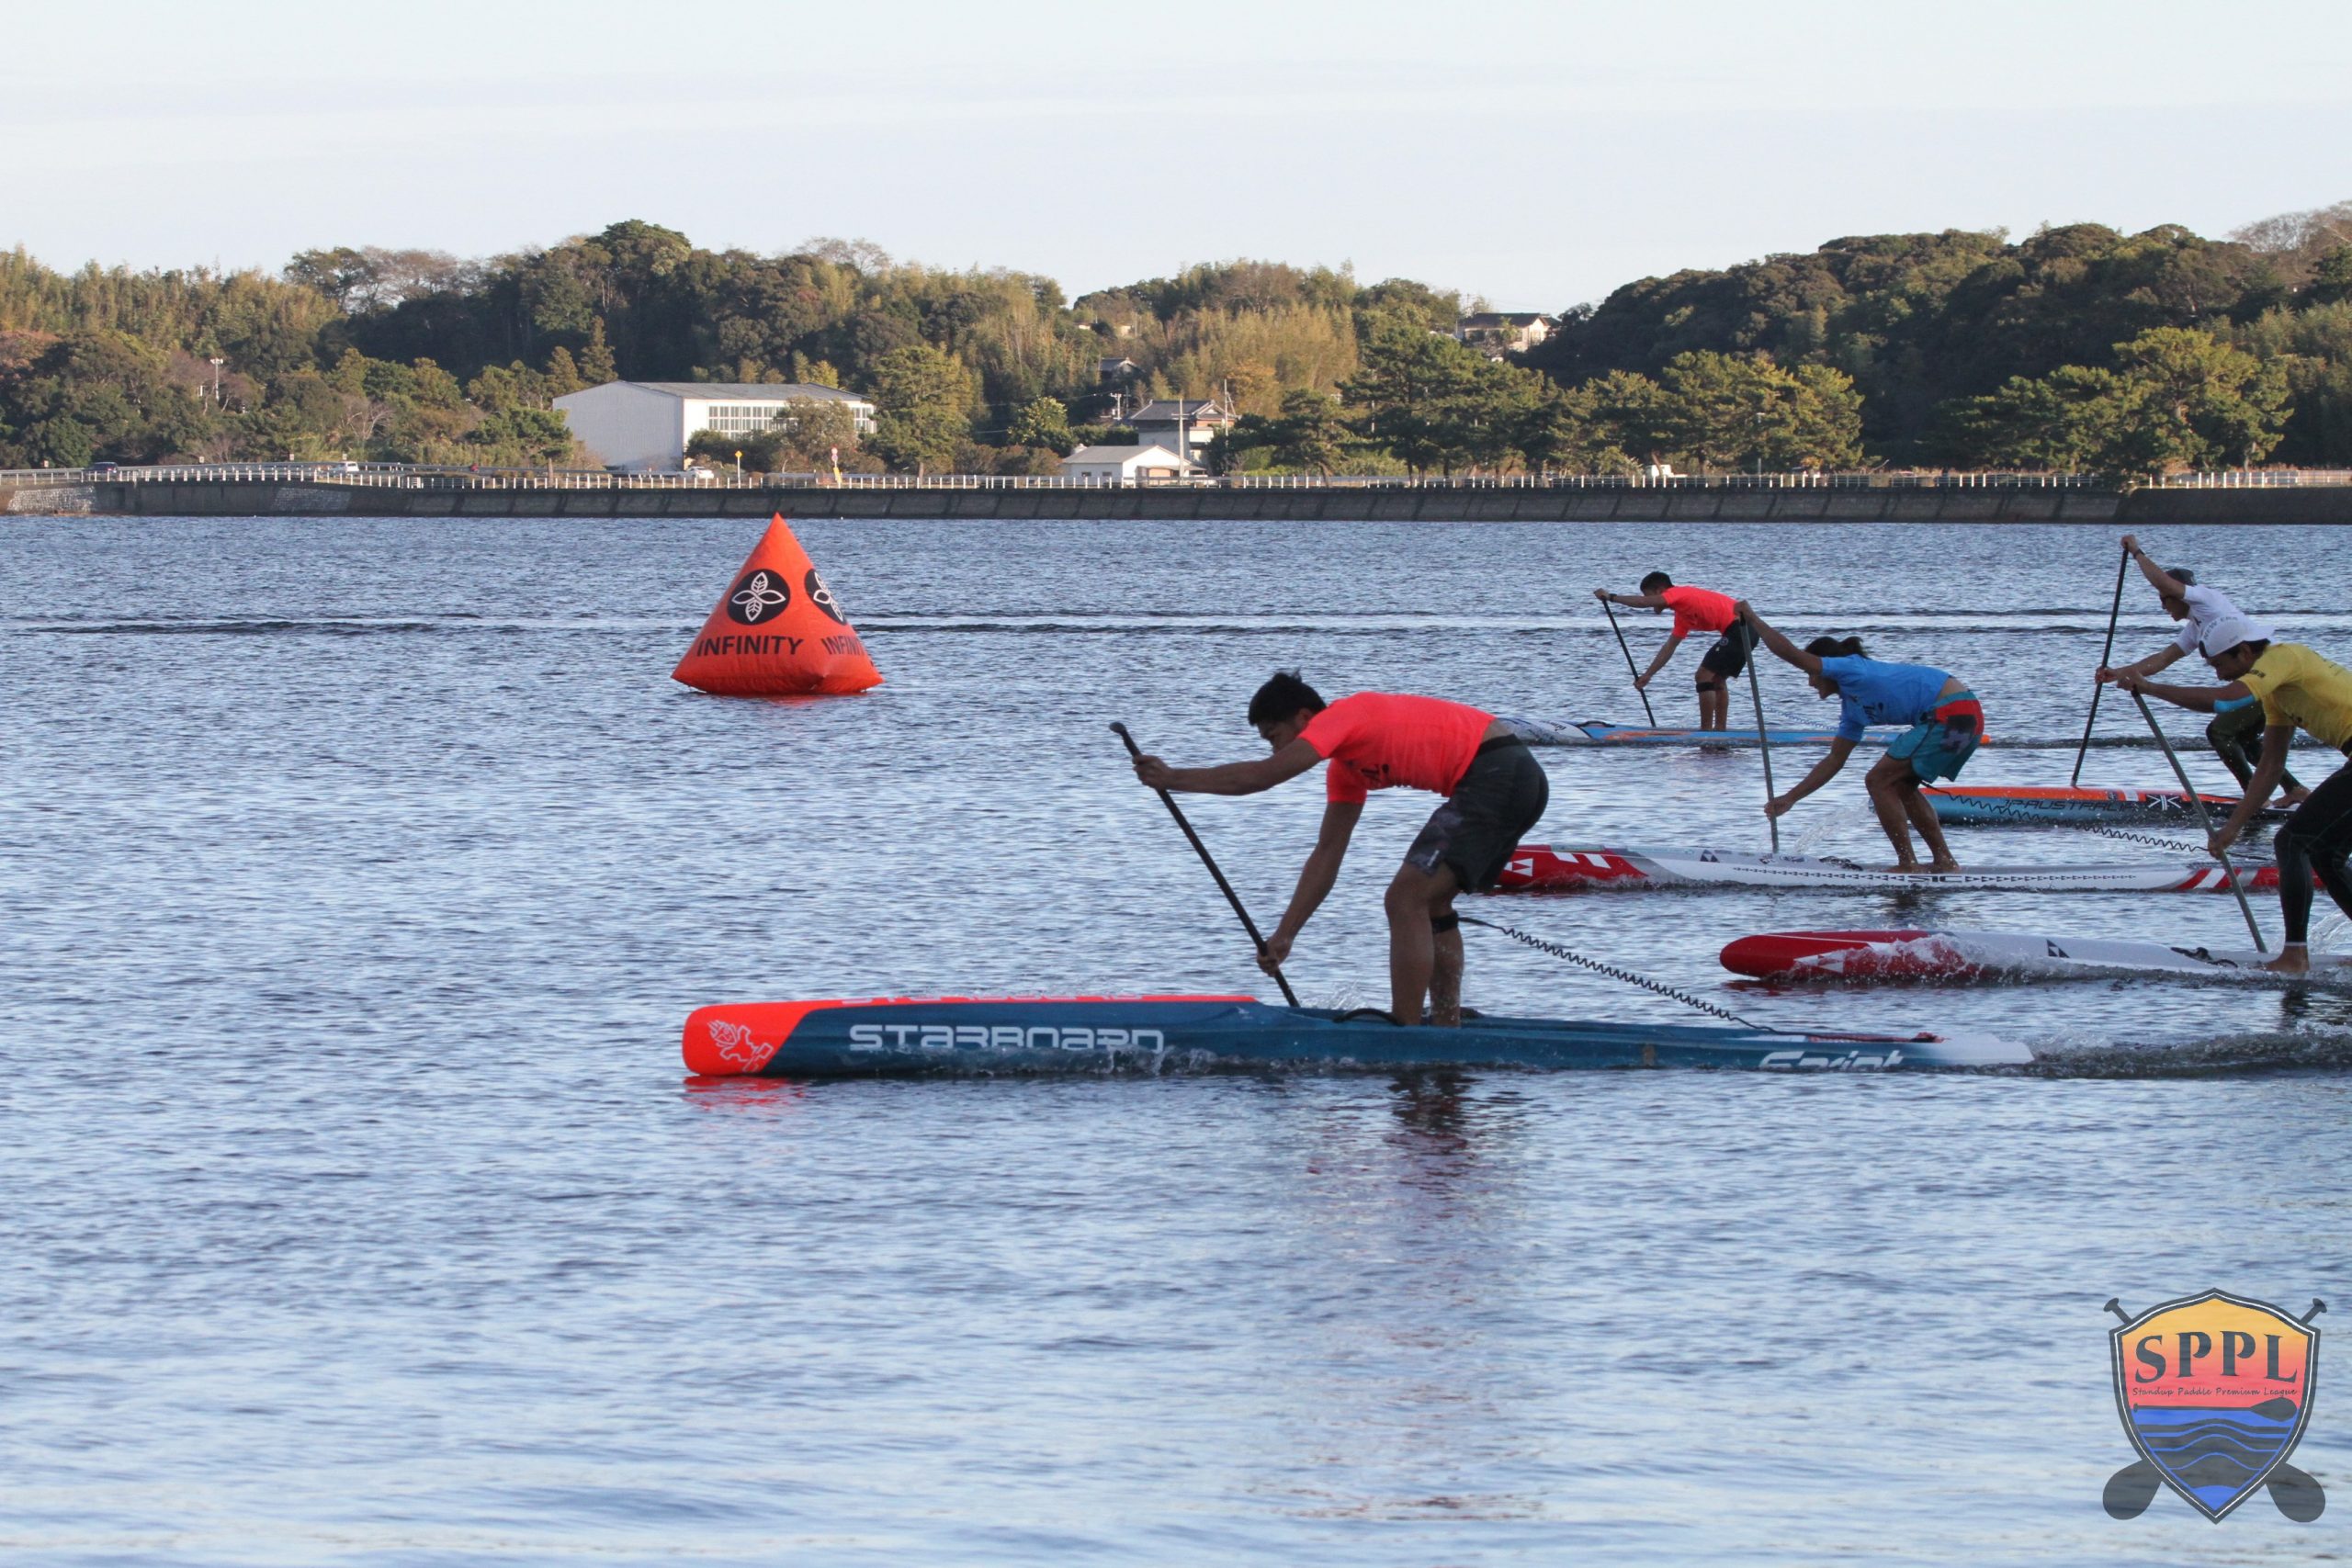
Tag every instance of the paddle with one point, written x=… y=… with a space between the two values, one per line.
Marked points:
x=1210 y=861
x=1763 y=742
x=2114 y=611
x=2204 y=819
x=1630 y=670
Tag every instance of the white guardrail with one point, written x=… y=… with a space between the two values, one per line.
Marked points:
x=398 y=476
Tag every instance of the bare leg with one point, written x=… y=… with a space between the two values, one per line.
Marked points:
x=1886 y=799
x=1414 y=895
x=1923 y=817
x=1446 y=979
x=1715 y=705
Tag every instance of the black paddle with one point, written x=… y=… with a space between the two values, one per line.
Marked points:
x=1210 y=861
x=2204 y=820
x=1763 y=742
x=1628 y=652
x=2114 y=611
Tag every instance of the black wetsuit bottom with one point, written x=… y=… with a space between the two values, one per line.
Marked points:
x=2317 y=838
x=2237 y=739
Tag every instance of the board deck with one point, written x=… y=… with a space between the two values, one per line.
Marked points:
x=1062 y=1036
x=1568 y=868
x=1961 y=956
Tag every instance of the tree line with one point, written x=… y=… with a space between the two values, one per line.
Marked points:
x=2076 y=348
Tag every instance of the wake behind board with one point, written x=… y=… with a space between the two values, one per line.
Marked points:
x=1062 y=1036
x=2028 y=804
x=1565 y=868
x=1956 y=956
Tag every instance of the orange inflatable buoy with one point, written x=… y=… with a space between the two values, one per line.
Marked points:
x=776 y=632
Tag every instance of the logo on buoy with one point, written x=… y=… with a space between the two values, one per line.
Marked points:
x=737 y=1047
x=823 y=597
x=761 y=595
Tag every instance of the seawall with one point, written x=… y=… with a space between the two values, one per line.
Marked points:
x=1310 y=504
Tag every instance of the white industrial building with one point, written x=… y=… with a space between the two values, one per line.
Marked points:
x=636 y=425
x=1126 y=465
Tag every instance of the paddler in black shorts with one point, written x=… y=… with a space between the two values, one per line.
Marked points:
x=1695 y=610
x=1495 y=792
x=2297 y=689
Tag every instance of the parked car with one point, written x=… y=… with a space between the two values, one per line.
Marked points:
x=103 y=469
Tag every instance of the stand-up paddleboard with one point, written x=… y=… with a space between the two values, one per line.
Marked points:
x=1563 y=868
x=1162 y=1034
x=1996 y=955
x=2026 y=804
x=1594 y=732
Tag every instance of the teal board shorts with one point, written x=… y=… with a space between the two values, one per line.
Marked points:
x=1939 y=745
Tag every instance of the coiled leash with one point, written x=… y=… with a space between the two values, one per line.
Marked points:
x=1613 y=972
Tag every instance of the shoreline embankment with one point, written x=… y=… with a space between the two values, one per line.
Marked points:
x=1305 y=504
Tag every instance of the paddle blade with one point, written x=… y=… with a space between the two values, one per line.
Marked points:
x=2298 y=1495
x=2131 y=1490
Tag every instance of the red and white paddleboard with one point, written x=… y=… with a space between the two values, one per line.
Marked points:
x=1992 y=955
x=1562 y=868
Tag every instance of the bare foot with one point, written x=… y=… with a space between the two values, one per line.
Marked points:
x=1911 y=866
x=2293 y=959
x=1946 y=863
x=2294 y=797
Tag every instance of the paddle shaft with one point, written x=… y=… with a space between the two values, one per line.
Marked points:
x=2204 y=819
x=1763 y=742
x=1208 y=860
x=2113 y=613
x=1630 y=669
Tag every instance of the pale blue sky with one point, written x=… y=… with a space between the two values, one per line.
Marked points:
x=1538 y=154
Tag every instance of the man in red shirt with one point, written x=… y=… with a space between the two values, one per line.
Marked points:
x=1495 y=791
x=1695 y=610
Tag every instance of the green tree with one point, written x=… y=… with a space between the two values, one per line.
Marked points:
x=1045 y=421
x=924 y=400
x=1311 y=433
x=597 y=364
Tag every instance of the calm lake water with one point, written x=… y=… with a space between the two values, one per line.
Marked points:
x=356 y=876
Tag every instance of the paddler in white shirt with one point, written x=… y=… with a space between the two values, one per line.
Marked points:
x=2236 y=733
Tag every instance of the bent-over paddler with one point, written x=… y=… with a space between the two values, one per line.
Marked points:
x=1946 y=723
x=2297 y=688
x=2236 y=733
x=1495 y=792
x=1695 y=610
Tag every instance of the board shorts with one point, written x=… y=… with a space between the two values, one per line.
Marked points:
x=1501 y=797
x=1728 y=655
x=1940 y=744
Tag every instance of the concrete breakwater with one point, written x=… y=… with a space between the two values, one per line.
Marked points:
x=1695 y=503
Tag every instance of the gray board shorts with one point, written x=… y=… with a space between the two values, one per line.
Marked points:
x=1499 y=799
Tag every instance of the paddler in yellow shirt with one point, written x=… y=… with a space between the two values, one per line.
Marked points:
x=2298 y=689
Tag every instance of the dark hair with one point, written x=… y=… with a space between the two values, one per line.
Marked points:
x=1836 y=648
x=1283 y=696
x=2255 y=647
x=1654 y=581
x=2181 y=575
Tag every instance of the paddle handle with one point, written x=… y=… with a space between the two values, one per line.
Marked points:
x=1622 y=647
x=2114 y=612
x=2204 y=819
x=1763 y=742
x=1210 y=861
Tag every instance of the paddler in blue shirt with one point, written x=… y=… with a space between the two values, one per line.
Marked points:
x=1946 y=723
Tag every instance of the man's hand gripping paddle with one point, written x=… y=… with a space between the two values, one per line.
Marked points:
x=1210 y=861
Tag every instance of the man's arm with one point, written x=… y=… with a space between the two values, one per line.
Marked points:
x=2276 y=738
x=1632 y=601
x=1783 y=647
x=1658 y=663
x=1823 y=771
x=2158 y=578
x=1314 y=879
x=1230 y=778
x=2148 y=666
x=2201 y=699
